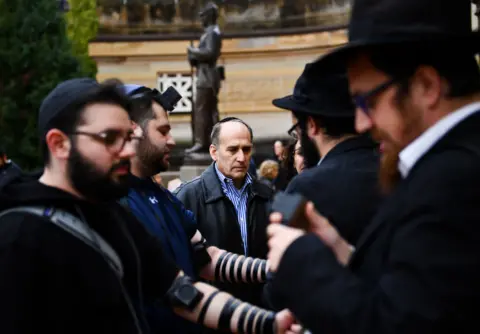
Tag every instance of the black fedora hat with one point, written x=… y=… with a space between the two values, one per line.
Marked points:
x=316 y=93
x=444 y=23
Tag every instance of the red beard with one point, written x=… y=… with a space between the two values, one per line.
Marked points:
x=389 y=176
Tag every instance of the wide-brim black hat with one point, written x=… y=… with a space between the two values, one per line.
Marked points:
x=437 y=23
x=320 y=94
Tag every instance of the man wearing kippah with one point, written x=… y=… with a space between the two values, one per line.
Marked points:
x=72 y=259
x=165 y=217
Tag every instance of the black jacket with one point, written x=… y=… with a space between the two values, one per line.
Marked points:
x=417 y=265
x=344 y=187
x=218 y=223
x=9 y=172
x=52 y=282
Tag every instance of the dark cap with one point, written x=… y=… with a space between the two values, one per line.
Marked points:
x=168 y=99
x=321 y=94
x=61 y=98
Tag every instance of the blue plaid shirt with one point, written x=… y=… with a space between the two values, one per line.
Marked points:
x=239 y=198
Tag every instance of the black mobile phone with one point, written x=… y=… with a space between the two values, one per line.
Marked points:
x=292 y=208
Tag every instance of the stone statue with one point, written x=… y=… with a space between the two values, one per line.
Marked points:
x=204 y=58
x=477 y=8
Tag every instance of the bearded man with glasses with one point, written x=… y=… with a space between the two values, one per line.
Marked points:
x=73 y=259
x=415 y=81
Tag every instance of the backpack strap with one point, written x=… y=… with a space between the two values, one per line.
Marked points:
x=79 y=229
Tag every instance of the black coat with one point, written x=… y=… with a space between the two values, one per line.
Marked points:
x=53 y=282
x=217 y=221
x=417 y=265
x=344 y=187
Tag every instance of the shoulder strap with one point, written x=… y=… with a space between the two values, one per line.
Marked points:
x=78 y=229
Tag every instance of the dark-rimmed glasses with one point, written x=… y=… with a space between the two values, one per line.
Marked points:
x=362 y=101
x=292 y=132
x=114 y=140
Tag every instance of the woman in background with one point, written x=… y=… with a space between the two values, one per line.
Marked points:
x=268 y=172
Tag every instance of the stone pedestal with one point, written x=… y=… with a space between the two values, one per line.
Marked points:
x=188 y=173
x=193 y=165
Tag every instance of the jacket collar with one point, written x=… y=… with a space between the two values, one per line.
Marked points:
x=213 y=188
x=351 y=144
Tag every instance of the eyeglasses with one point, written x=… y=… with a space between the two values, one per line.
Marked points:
x=362 y=101
x=292 y=132
x=114 y=140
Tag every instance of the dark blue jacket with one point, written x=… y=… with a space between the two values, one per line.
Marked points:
x=165 y=217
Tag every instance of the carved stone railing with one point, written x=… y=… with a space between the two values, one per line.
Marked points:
x=184 y=83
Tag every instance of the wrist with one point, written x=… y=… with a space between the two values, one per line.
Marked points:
x=343 y=251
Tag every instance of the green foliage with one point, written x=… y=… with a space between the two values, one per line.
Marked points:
x=82 y=26
x=35 y=55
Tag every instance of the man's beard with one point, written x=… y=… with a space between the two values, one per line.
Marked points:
x=93 y=184
x=389 y=176
x=151 y=158
x=311 y=156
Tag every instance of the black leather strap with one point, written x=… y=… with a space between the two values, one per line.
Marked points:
x=248 y=276
x=251 y=319
x=241 y=262
x=227 y=313
x=231 y=272
x=269 y=324
x=241 y=319
x=255 y=270
x=264 y=271
x=200 y=255
x=223 y=269
x=218 y=265
x=260 y=322
x=203 y=312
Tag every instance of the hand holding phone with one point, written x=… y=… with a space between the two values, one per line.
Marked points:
x=292 y=209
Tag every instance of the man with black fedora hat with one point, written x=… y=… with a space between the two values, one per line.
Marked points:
x=416 y=268
x=343 y=185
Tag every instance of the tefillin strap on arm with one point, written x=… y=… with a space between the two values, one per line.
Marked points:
x=200 y=255
x=240 y=269
x=251 y=319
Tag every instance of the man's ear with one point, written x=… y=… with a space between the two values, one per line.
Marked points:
x=312 y=127
x=58 y=144
x=213 y=152
x=137 y=130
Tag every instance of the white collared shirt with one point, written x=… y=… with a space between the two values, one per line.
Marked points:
x=420 y=146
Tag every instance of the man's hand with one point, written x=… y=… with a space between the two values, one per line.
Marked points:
x=328 y=234
x=280 y=237
x=285 y=323
x=319 y=225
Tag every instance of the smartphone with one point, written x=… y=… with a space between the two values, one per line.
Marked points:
x=292 y=208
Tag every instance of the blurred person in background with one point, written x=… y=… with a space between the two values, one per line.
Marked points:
x=323 y=118
x=280 y=155
x=8 y=169
x=298 y=160
x=268 y=172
